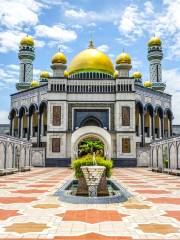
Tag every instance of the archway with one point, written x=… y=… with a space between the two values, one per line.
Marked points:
x=89 y=132
x=91 y=121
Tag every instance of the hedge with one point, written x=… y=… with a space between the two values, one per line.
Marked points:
x=88 y=161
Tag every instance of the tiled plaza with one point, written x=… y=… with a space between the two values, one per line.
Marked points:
x=29 y=210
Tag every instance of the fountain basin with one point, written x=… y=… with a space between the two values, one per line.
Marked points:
x=92 y=175
x=117 y=193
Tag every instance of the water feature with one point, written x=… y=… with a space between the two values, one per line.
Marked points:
x=116 y=194
x=92 y=187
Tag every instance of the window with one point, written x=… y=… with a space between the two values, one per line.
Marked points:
x=56 y=115
x=125 y=116
x=55 y=144
x=126 y=147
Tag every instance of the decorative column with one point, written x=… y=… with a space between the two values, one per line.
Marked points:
x=162 y=126
x=11 y=127
x=28 y=126
x=142 y=128
x=39 y=130
x=160 y=129
x=19 y=126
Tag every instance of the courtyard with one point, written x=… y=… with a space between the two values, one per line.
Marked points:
x=29 y=210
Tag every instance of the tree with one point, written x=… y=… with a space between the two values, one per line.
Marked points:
x=90 y=146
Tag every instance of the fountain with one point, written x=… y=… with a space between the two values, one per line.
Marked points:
x=93 y=175
x=91 y=185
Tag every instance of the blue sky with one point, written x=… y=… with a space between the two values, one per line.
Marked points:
x=114 y=25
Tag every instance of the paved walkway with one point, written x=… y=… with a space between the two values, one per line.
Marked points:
x=29 y=210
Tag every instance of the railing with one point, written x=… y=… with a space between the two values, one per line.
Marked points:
x=15 y=155
x=165 y=155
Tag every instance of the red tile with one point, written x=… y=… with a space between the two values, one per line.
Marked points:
x=5 y=214
x=92 y=215
x=152 y=191
x=40 y=185
x=173 y=214
x=29 y=191
x=165 y=200
x=9 y=200
x=93 y=236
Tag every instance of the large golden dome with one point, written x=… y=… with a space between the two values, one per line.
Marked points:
x=91 y=59
x=123 y=58
x=154 y=41
x=27 y=40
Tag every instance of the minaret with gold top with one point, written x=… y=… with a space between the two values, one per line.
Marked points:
x=155 y=55
x=26 y=56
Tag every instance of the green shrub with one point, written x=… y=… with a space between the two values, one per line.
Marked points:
x=88 y=161
x=166 y=163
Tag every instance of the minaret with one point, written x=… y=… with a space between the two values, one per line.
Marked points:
x=26 y=56
x=155 y=55
x=123 y=64
x=59 y=64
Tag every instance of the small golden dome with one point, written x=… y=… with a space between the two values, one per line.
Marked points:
x=116 y=74
x=34 y=84
x=27 y=40
x=148 y=84
x=91 y=60
x=44 y=74
x=59 y=57
x=66 y=74
x=123 y=58
x=137 y=75
x=154 y=41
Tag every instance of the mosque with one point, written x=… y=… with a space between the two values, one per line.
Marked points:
x=90 y=97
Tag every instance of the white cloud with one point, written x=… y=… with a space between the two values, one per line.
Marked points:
x=58 y=33
x=4 y=117
x=16 y=13
x=172 y=79
x=71 y=13
x=148 y=7
x=103 y=48
x=9 y=40
x=89 y=18
x=9 y=74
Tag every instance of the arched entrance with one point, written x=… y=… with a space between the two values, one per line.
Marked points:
x=90 y=132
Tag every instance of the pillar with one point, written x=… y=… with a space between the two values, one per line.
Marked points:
x=39 y=130
x=28 y=126
x=142 y=128
x=19 y=126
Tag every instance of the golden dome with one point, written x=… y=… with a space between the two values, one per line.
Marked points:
x=59 y=57
x=137 y=75
x=148 y=84
x=123 y=58
x=44 y=74
x=34 y=84
x=27 y=40
x=91 y=59
x=66 y=74
x=154 y=41
x=116 y=74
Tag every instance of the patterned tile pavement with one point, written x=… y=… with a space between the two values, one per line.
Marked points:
x=28 y=209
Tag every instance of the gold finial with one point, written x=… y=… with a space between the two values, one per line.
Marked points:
x=123 y=50
x=91 y=44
